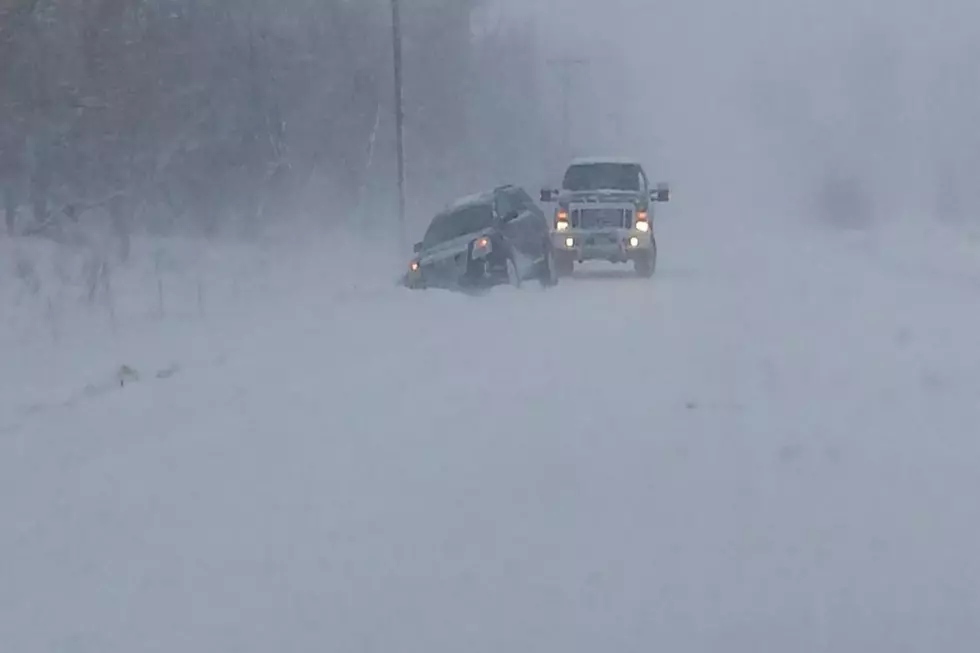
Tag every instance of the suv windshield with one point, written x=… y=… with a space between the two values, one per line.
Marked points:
x=459 y=222
x=602 y=176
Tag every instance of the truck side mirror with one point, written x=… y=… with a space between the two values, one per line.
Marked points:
x=661 y=193
x=417 y=248
x=548 y=195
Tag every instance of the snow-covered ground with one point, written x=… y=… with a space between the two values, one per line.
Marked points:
x=771 y=446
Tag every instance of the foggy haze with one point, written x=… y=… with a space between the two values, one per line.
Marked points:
x=754 y=101
x=727 y=98
x=231 y=419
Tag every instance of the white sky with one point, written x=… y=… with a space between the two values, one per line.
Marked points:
x=679 y=81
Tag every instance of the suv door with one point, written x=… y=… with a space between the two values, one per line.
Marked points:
x=524 y=231
x=541 y=225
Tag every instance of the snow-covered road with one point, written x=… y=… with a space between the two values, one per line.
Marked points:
x=772 y=446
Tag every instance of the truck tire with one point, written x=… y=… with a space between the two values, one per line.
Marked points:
x=646 y=264
x=549 y=269
x=565 y=265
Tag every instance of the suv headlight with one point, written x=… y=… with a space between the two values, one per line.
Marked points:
x=482 y=247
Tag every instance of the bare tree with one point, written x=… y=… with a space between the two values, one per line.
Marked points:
x=213 y=111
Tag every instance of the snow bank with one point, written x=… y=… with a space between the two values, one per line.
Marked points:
x=72 y=314
x=769 y=447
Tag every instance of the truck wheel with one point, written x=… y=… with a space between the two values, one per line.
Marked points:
x=549 y=269
x=565 y=265
x=646 y=264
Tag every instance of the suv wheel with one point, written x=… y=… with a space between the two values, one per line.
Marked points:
x=513 y=276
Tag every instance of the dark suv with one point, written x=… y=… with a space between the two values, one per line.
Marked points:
x=496 y=237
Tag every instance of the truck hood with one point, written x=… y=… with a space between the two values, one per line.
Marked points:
x=600 y=196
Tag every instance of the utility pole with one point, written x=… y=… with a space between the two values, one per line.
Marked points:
x=396 y=37
x=566 y=67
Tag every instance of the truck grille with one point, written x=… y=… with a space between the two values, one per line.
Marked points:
x=602 y=218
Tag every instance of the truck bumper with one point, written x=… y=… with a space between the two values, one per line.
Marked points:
x=617 y=246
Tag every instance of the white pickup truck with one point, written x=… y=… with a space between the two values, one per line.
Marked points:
x=604 y=213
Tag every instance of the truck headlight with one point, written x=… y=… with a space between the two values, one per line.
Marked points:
x=569 y=242
x=643 y=226
x=561 y=225
x=634 y=241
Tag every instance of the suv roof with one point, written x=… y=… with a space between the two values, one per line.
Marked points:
x=483 y=197
x=598 y=160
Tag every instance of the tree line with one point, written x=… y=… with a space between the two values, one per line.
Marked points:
x=200 y=114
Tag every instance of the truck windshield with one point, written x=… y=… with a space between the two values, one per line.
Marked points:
x=602 y=176
x=457 y=223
